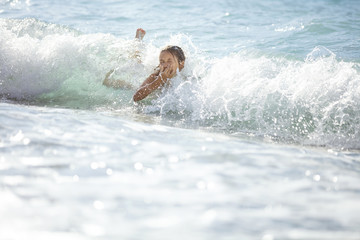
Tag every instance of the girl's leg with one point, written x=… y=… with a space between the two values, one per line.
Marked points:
x=140 y=33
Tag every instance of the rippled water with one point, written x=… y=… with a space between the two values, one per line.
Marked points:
x=257 y=138
x=134 y=182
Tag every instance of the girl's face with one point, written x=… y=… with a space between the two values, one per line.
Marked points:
x=167 y=60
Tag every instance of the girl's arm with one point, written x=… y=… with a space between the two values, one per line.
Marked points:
x=116 y=83
x=153 y=82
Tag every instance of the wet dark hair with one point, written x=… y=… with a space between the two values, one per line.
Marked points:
x=176 y=51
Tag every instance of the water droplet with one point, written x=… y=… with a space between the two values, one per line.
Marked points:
x=138 y=166
x=317 y=177
x=94 y=165
x=335 y=179
x=26 y=141
x=98 y=205
x=109 y=171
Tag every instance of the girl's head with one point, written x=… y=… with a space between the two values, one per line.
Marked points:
x=173 y=57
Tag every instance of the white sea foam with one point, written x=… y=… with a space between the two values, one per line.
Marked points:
x=111 y=169
x=38 y=58
x=311 y=101
x=314 y=101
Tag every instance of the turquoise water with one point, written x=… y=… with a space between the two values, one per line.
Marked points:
x=257 y=138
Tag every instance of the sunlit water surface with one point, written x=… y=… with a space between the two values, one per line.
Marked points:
x=257 y=138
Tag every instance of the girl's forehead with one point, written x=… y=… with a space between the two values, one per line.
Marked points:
x=165 y=55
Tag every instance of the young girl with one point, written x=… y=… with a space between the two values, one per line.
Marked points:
x=171 y=60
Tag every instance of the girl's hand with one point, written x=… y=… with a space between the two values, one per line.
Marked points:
x=166 y=73
x=157 y=71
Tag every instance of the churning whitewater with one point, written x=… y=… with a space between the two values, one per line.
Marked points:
x=311 y=101
x=257 y=137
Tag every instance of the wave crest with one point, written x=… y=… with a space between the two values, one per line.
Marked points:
x=314 y=101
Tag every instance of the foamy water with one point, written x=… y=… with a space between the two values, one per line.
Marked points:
x=256 y=138
x=312 y=101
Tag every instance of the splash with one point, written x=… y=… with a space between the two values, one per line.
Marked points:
x=39 y=58
x=312 y=102
x=315 y=101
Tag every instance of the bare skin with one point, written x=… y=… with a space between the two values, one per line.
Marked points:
x=166 y=70
x=116 y=83
x=140 y=33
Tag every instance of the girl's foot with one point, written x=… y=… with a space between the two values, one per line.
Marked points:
x=140 y=33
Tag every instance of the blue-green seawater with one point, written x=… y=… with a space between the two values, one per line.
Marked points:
x=258 y=137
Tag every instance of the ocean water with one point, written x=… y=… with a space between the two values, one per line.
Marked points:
x=257 y=138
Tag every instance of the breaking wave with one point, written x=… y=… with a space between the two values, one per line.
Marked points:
x=311 y=101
